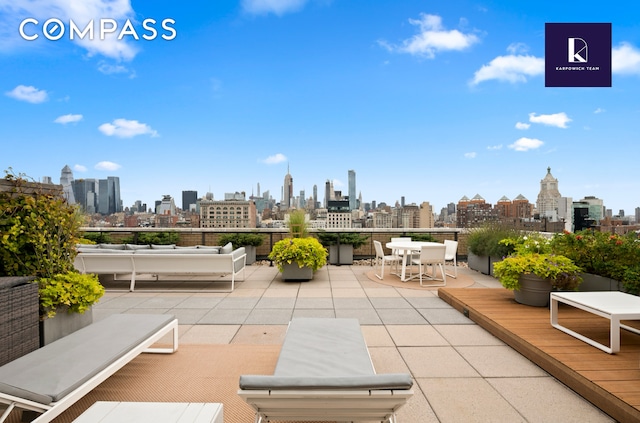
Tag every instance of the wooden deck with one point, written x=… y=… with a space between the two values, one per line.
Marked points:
x=609 y=381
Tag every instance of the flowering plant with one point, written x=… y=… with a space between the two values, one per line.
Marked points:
x=533 y=255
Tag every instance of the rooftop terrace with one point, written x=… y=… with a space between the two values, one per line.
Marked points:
x=462 y=371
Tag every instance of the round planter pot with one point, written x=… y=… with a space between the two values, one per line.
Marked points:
x=534 y=291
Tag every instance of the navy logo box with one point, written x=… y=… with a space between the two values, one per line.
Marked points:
x=577 y=55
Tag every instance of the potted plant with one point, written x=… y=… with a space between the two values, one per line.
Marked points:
x=485 y=248
x=532 y=271
x=341 y=245
x=38 y=235
x=68 y=297
x=607 y=260
x=299 y=255
x=250 y=241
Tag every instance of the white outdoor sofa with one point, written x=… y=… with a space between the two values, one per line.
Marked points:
x=51 y=379
x=134 y=260
x=324 y=373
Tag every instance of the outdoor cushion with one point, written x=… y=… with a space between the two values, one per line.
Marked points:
x=374 y=382
x=136 y=247
x=163 y=247
x=112 y=246
x=227 y=248
x=50 y=373
x=87 y=246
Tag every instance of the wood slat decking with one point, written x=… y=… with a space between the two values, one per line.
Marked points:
x=610 y=381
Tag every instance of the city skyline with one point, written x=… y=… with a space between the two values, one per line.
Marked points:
x=427 y=101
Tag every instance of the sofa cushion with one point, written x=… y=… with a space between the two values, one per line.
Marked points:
x=227 y=249
x=112 y=246
x=163 y=247
x=87 y=246
x=137 y=247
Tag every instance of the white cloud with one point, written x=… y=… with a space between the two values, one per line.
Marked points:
x=275 y=159
x=471 y=155
x=123 y=128
x=432 y=38
x=81 y=12
x=525 y=144
x=79 y=168
x=495 y=147
x=29 y=94
x=559 y=120
x=64 y=119
x=278 y=7
x=517 y=48
x=511 y=68
x=522 y=125
x=625 y=59
x=110 y=69
x=599 y=110
x=107 y=166
x=337 y=183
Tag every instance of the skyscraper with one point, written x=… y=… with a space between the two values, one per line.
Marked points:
x=66 y=178
x=84 y=191
x=287 y=193
x=315 y=197
x=352 y=190
x=548 y=197
x=109 y=195
x=188 y=198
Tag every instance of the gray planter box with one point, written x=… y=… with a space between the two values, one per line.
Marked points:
x=250 y=250
x=346 y=254
x=478 y=263
x=63 y=324
x=293 y=273
x=592 y=282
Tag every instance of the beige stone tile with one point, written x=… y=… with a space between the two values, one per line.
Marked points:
x=260 y=335
x=209 y=334
x=499 y=361
x=349 y=293
x=417 y=409
x=387 y=360
x=436 y=362
x=408 y=292
x=469 y=400
x=415 y=336
x=244 y=293
x=377 y=336
x=459 y=335
x=315 y=293
x=381 y=292
x=345 y=284
x=281 y=293
x=554 y=402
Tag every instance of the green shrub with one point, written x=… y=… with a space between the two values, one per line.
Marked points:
x=38 y=231
x=302 y=251
x=241 y=239
x=485 y=241
x=75 y=291
x=97 y=237
x=297 y=224
x=155 y=238
x=346 y=238
x=422 y=237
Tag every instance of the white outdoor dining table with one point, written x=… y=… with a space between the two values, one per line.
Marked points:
x=406 y=247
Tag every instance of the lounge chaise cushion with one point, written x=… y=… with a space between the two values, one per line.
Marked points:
x=44 y=377
x=375 y=382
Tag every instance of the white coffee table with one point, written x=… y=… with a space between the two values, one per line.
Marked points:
x=615 y=306
x=152 y=412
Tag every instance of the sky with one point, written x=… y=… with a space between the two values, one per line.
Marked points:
x=430 y=100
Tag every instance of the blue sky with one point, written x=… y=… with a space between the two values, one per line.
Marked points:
x=430 y=100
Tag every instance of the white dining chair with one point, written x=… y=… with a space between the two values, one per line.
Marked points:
x=381 y=259
x=451 y=256
x=431 y=255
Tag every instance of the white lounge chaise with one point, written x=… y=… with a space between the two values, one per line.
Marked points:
x=324 y=373
x=51 y=379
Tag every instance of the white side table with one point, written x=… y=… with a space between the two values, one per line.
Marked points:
x=615 y=306
x=152 y=412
